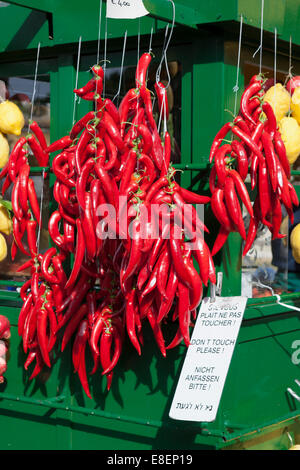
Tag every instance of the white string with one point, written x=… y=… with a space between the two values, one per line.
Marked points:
x=261 y=37
x=76 y=80
x=278 y=298
x=105 y=56
x=236 y=88
x=150 y=50
x=165 y=48
x=99 y=32
x=139 y=40
x=150 y=42
x=34 y=84
x=122 y=67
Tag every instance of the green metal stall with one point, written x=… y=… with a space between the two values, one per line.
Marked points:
x=256 y=411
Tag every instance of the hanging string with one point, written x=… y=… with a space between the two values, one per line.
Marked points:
x=117 y=95
x=261 y=37
x=150 y=51
x=99 y=32
x=105 y=57
x=76 y=80
x=236 y=88
x=139 y=40
x=258 y=283
x=34 y=84
x=151 y=39
x=165 y=48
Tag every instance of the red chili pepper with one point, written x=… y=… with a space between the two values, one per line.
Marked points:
x=220 y=164
x=221 y=134
x=241 y=190
x=141 y=70
x=117 y=339
x=39 y=134
x=13 y=158
x=111 y=127
x=88 y=118
x=23 y=187
x=46 y=262
x=41 y=155
x=88 y=228
x=293 y=194
x=112 y=110
x=15 y=200
x=33 y=200
x=72 y=325
x=107 y=185
x=88 y=87
x=27 y=305
x=220 y=240
x=233 y=207
x=167 y=154
x=31 y=226
x=271 y=119
x=264 y=191
x=54 y=233
x=42 y=322
x=183 y=312
x=162 y=99
x=242 y=158
x=193 y=198
x=129 y=101
x=146 y=97
x=97 y=331
x=79 y=255
x=130 y=314
x=39 y=364
x=271 y=158
x=249 y=92
x=281 y=153
x=129 y=169
x=239 y=121
x=112 y=153
x=59 y=166
x=248 y=141
x=83 y=141
x=253 y=227
x=82 y=337
x=19 y=228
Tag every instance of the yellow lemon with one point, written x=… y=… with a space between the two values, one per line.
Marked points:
x=279 y=98
x=3 y=248
x=295 y=105
x=5 y=221
x=295 y=237
x=11 y=118
x=4 y=150
x=290 y=133
x=296 y=256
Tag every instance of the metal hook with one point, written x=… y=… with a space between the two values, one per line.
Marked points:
x=216 y=289
x=165 y=48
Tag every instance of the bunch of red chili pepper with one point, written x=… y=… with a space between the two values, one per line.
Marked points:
x=133 y=233
x=27 y=222
x=256 y=149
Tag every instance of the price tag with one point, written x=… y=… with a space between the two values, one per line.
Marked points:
x=208 y=358
x=125 y=9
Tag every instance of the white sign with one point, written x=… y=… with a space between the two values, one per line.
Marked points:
x=207 y=361
x=125 y=9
